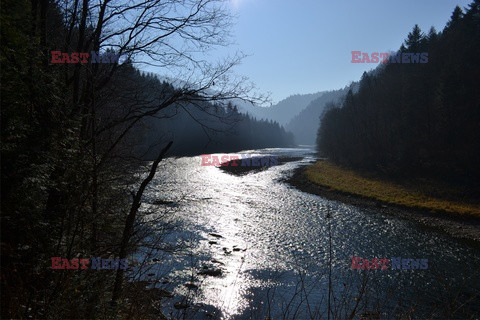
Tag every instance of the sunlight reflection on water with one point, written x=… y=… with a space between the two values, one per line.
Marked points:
x=268 y=233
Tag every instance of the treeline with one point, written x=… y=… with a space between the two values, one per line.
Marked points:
x=73 y=137
x=194 y=125
x=415 y=119
x=200 y=131
x=199 y=127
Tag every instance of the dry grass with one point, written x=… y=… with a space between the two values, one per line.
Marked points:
x=329 y=175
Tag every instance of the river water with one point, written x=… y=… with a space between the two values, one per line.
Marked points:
x=282 y=253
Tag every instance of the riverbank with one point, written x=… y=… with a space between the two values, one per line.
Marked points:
x=460 y=220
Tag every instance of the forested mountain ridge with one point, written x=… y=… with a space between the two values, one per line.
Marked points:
x=418 y=119
x=281 y=112
x=304 y=125
x=197 y=127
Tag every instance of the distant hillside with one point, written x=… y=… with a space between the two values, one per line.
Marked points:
x=281 y=112
x=304 y=126
x=208 y=128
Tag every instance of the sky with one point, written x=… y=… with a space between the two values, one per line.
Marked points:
x=304 y=46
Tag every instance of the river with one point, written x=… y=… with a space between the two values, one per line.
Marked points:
x=271 y=243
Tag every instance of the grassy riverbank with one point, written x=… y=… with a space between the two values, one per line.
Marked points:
x=426 y=196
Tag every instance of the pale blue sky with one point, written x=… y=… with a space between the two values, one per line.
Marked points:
x=304 y=46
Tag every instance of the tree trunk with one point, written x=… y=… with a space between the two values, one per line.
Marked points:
x=129 y=223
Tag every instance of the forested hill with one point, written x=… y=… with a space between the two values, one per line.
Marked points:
x=195 y=126
x=416 y=118
x=202 y=127
x=304 y=125
x=281 y=112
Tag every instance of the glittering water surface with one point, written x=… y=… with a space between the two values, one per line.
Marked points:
x=271 y=244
